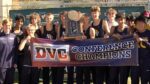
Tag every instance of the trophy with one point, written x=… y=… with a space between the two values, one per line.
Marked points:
x=73 y=26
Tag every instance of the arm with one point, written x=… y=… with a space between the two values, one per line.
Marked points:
x=23 y=43
x=57 y=29
x=111 y=31
x=81 y=26
x=92 y=33
x=114 y=35
x=16 y=51
x=105 y=27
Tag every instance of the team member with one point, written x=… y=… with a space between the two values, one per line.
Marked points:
x=83 y=73
x=8 y=47
x=62 y=33
x=130 y=23
x=146 y=14
x=63 y=25
x=119 y=75
x=111 y=15
x=19 y=24
x=18 y=31
x=49 y=31
x=36 y=20
x=134 y=70
x=101 y=29
x=29 y=74
x=143 y=38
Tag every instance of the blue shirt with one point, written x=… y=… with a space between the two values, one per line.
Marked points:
x=8 y=47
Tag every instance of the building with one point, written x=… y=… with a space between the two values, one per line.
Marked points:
x=6 y=5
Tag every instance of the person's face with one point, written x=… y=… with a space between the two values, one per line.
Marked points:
x=19 y=23
x=7 y=28
x=121 y=21
x=95 y=14
x=34 y=21
x=130 y=22
x=1 y=26
x=86 y=19
x=49 y=18
x=62 y=18
x=140 y=26
x=31 y=30
x=111 y=15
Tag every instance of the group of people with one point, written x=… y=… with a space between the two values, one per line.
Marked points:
x=15 y=48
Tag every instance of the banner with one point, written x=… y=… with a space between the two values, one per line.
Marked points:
x=90 y=52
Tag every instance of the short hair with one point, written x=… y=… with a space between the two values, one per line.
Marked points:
x=30 y=25
x=62 y=13
x=130 y=17
x=48 y=14
x=95 y=9
x=140 y=19
x=20 y=17
x=111 y=10
x=35 y=15
x=5 y=21
x=121 y=15
x=84 y=15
